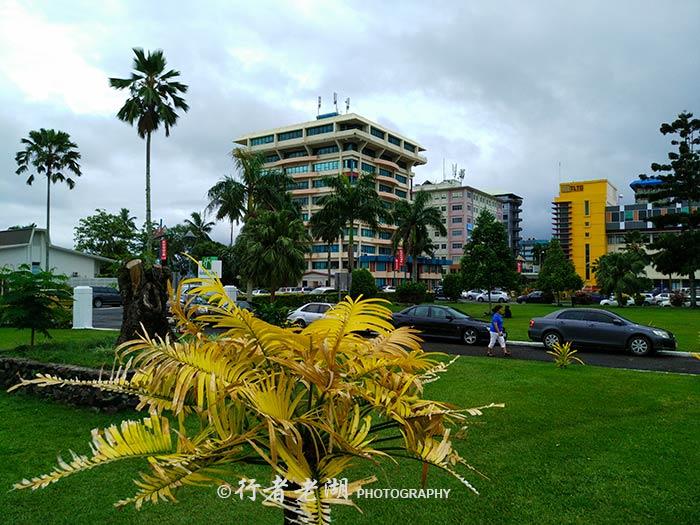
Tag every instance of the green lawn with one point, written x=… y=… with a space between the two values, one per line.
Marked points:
x=582 y=445
x=683 y=322
x=92 y=348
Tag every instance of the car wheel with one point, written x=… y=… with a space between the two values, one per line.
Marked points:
x=501 y=300
x=469 y=336
x=639 y=345
x=550 y=339
x=97 y=303
x=480 y=299
x=300 y=323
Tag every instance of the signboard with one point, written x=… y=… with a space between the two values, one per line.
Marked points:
x=567 y=188
x=211 y=264
x=163 y=249
x=520 y=266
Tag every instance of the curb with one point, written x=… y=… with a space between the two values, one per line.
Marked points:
x=671 y=353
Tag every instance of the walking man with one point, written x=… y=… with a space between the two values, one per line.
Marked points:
x=496 y=332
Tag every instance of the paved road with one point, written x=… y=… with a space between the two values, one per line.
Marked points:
x=112 y=318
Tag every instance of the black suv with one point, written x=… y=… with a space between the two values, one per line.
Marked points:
x=105 y=295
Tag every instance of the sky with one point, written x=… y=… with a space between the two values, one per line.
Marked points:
x=522 y=95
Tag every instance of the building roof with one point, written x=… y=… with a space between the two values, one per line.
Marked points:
x=23 y=237
x=644 y=183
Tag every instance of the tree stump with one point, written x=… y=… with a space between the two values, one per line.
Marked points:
x=145 y=297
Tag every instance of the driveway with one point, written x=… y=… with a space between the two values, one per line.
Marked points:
x=107 y=317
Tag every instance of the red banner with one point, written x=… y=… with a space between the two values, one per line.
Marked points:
x=163 y=249
x=520 y=267
x=399 y=259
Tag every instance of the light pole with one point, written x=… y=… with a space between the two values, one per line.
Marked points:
x=189 y=240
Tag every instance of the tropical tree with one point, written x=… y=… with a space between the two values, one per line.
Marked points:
x=328 y=227
x=110 y=235
x=412 y=220
x=154 y=97
x=198 y=224
x=488 y=260
x=539 y=251
x=273 y=246
x=680 y=185
x=557 y=272
x=354 y=201
x=226 y=198
x=53 y=154
x=309 y=403
x=621 y=273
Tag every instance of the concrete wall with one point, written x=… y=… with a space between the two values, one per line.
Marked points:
x=71 y=264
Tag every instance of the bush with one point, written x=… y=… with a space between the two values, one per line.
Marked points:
x=452 y=286
x=413 y=293
x=272 y=313
x=295 y=300
x=362 y=284
x=677 y=298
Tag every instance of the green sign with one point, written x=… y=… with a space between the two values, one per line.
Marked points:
x=206 y=262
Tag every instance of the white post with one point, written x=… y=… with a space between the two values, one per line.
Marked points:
x=82 y=307
x=232 y=292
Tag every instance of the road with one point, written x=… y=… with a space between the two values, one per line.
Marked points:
x=112 y=318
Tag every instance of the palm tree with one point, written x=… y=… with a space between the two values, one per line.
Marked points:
x=273 y=247
x=126 y=217
x=353 y=202
x=197 y=224
x=227 y=198
x=413 y=220
x=327 y=227
x=154 y=96
x=51 y=153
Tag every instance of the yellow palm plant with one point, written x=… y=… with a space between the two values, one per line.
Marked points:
x=564 y=355
x=308 y=402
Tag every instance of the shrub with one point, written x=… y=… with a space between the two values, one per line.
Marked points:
x=272 y=313
x=362 y=284
x=564 y=355
x=411 y=292
x=677 y=298
x=452 y=286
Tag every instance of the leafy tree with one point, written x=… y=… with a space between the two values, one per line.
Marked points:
x=53 y=154
x=362 y=284
x=308 y=404
x=557 y=273
x=154 y=97
x=452 y=285
x=680 y=178
x=198 y=224
x=488 y=260
x=539 y=251
x=273 y=245
x=675 y=254
x=225 y=198
x=621 y=273
x=106 y=234
x=353 y=201
x=34 y=301
x=412 y=220
x=328 y=227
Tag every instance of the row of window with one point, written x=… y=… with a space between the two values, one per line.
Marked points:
x=304 y=168
x=288 y=135
x=298 y=185
x=326 y=150
x=327 y=166
x=318 y=130
x=368 y=167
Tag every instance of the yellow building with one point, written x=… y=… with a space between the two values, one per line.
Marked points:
x=579 y=222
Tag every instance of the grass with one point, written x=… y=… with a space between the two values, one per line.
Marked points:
x=93 y=348
x=683 y=322
x=581 y=445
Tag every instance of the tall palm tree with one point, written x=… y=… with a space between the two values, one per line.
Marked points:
x=327 y=226
x=126 y=217
x=274 y=245
x=413 y=220
x=353 y=202
x=154 y=95
x=52 y=153
x=198 y=224
x=227 y=198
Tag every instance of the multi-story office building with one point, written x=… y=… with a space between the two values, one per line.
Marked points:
x=579 y=222
x=620 y=220
x=531 y=264
x=512 y=207
x=460 y=206
x=349 y=144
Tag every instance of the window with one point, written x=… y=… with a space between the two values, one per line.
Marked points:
x=376 y=132
x=588 y=261
x=385 y=188
x=384 y=173
x=443 y=208
x=456 y=207
x=456 y=220
x=420 y=311
x=304 y=168
x=598 y=317
x=615 y=216
x=571 y=315
x=401 y=178
x=443 y=246
x=586 y=208
x=456 y=194
x=346 y=231
x=287 y=135
x=295 y=154
x=456 y=245
x=400 y=193
x=629 y=215
x=304 y=216
x=299 y=185
x=319 y=265
x=410 y=147
x=587 y=234
x=368 y=167
x=384 y=235
x=323 y=248
x=320 y=183
x=317 y=199
x=350 y=164
x=317 y=130
x=326 y=150
x=262 y=140
x=301 y=201
x=366 y=232
x=456 y=233
x=438 y=313
x=369 y=249
x=327 y=166
x=381 y=266
x=272 y=158
x=395 y=140
x=350 y=146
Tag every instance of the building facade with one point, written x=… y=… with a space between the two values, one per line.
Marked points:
x=460 y=206
x=579 y=222
x=349 y=144
x=531 y=264
x=512 y=208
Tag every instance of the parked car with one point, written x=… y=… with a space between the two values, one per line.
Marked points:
x=538 y=296
x=661 y=297
x=105 y=295
x=667 y=304
x=496 y=297
x=308 y=313
x=389 y=289
x=612 y=301
x=601 y=328
x=322 y=289
x=586 y=298
x=261 y=291
x=287 y=289
x=443 y=321
x=647 y=298
x=471 y=294
x=203 y=307
x=305 y=289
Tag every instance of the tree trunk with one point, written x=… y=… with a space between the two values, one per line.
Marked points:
x=149 y=232
x=691 y=283
x=230 y=242
x=329 y=264
x=48 y=215
x=32 y=339
x=351 y=249
x=145 y=294
x=249 y=290
x=414 y=269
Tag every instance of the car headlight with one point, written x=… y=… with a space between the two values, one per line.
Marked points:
x=661 y=333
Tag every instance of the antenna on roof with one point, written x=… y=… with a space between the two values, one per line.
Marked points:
x=462 y=173
x=347 y=104
x=335 y=101
x=318 y=111
x=443 y=169
x=454 y=170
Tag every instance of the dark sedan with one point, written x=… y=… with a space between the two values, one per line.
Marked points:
x=536 y=297
x=105 y=295
x=592 y=327
x=443 y=321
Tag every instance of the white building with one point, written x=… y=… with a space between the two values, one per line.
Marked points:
x=28 y=246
